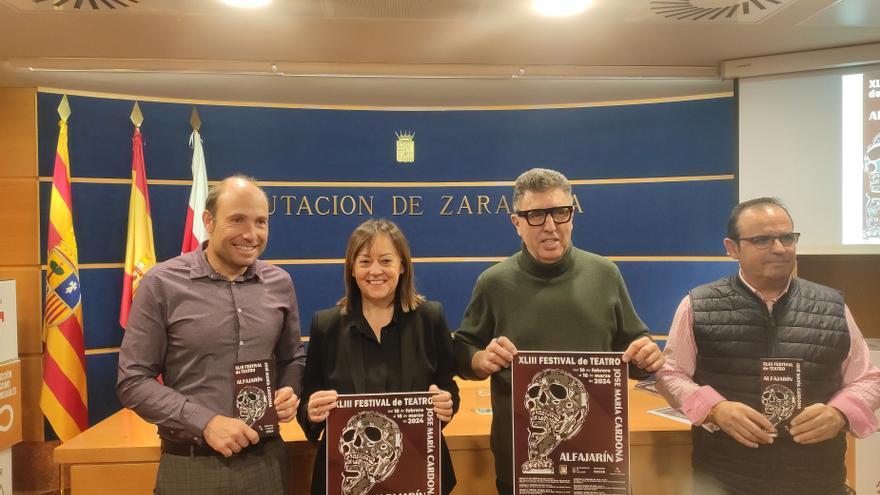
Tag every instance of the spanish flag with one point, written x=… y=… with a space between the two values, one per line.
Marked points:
x=140 y=255
x=63 y=397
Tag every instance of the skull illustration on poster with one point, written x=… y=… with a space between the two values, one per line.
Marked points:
x=252 y=403
x=371 y=445
x=557 y=403
x=779 y=403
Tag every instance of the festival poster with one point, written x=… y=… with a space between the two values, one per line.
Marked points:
x=781 y=391
x=255 y=396
x=871 y=134
x=570 y=423
x=383 y=444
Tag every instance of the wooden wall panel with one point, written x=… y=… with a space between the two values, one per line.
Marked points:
x=31 y=381
x=20 y=218
x=28 y=301
x=132 y=479
x=18 y=132
x=858 y=276
x=19 y=251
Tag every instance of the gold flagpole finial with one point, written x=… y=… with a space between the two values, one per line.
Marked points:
x=64 y=108
x=195 y=121
x=137 y=118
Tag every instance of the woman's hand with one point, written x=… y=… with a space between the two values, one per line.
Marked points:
x=320 y=404
x=442 y=403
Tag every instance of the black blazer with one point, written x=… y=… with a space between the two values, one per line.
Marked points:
x=335 y=362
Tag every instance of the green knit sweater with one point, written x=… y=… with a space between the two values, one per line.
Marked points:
x=579 y=303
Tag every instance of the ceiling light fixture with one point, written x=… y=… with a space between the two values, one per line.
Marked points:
x=560 y=8
x=247 y=4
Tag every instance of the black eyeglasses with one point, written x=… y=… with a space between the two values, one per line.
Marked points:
x=765 y=241
x=537 y=217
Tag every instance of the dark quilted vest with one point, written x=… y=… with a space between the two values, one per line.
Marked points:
x=733 y=330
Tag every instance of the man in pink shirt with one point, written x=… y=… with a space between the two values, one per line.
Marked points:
x=720 y=333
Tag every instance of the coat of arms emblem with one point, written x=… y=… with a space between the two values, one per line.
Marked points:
x=406 y=147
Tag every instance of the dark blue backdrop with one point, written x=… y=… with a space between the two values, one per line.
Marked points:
x=657 y=219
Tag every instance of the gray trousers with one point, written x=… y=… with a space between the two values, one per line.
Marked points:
x=260 y=469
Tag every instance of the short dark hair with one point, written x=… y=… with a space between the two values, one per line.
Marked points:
x=733 y=221
x=539 y=180
x=218 y=188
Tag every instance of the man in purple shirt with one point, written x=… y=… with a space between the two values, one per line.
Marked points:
x=192 y=318
x=713 y=368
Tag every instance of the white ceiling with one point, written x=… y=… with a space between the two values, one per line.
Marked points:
x=410 y=53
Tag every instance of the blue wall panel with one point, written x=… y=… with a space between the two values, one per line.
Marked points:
x=661 y=219
x=649 y=218
x=681 y=138
x=657 y=288
x=101 y=376
x=101 y=292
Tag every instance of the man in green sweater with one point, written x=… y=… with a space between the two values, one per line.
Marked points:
x=550 y=296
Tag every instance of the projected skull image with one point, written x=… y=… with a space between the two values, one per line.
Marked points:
x=872 y=217
x=557 y=403
x=872 y=165
x=371 y=445
x=872 y=177
x=252 y=403
x=779 y=403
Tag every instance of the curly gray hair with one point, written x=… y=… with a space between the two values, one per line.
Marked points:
x=539 y=180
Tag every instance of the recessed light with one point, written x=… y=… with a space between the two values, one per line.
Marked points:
x=247 y=4
x=560 y=8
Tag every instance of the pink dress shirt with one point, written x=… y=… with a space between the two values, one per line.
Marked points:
x=857 y=399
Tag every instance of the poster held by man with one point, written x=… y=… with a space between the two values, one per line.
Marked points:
x=570 y=423
x=254 y=393
x=781 y=391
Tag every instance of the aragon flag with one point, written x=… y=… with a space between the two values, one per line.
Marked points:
x=195 y=232
x=140 y=255
x=63 y=395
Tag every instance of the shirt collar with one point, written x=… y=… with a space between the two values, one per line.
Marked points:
x=200 y=268
x=768 y=302
x=359 y=321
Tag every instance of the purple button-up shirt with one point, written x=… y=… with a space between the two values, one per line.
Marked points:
x=190 y=324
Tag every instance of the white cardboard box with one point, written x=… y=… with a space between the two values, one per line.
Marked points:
x=868 y=449
x=8 y=322
x=8 y=353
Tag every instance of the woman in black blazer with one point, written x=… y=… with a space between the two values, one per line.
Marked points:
x=382 y=336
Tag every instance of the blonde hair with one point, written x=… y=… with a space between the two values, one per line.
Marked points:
x=362 y=237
